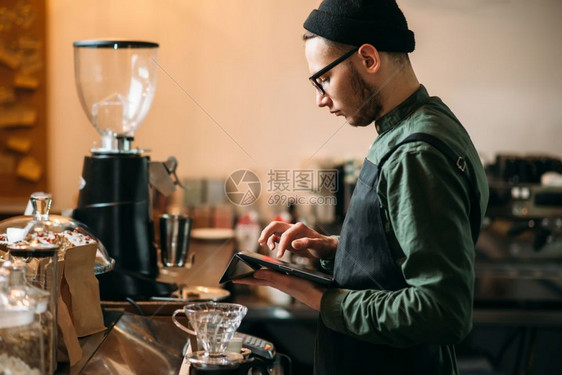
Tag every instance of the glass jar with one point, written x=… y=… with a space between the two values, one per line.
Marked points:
x=44 y=228
x=20 y=288
x=38 y=264
x=21 y=343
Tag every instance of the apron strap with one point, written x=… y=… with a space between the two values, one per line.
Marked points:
x=460 y=163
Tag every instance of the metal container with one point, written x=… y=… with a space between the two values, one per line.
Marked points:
x=175 y=234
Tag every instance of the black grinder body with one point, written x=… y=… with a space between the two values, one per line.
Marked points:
x=114 y=203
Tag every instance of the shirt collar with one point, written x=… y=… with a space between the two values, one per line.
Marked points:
x=403 y=110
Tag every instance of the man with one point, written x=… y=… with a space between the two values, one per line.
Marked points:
x=404 y=260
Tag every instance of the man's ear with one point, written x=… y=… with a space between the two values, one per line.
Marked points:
x=370 y=58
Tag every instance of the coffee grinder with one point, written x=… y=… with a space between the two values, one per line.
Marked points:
x=116 y=81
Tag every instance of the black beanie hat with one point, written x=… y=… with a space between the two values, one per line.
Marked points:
x=355 y=22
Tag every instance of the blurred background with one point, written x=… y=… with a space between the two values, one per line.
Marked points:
x=232 y=95
x=233 y=92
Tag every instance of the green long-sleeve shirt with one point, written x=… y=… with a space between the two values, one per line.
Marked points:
x=428 y=229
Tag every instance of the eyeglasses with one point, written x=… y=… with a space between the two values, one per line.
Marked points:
x=315 y=78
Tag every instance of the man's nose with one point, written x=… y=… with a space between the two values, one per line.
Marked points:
x=322 y=100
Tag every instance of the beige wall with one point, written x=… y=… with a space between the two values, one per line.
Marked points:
x=495 y=62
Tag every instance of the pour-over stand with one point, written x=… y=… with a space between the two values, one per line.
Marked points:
x=212 y=326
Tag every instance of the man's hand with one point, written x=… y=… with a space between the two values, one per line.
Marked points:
x=304 y=291
x=299 y=239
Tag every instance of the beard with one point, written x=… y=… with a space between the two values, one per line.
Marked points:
x=369 y=101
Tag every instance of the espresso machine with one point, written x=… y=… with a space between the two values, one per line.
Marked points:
x=116 y=81
x=518 y=258
x=521 y=194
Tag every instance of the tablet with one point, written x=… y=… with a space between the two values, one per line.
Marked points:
x=245 y=263
x=238 y=269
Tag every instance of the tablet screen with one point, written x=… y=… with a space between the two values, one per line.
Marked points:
x=285 y=267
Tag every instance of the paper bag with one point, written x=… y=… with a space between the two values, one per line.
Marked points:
x=80 y=290
x=68 y=347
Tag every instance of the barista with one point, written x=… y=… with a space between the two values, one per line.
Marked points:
x=404 y=260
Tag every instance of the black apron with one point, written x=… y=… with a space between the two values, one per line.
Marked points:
x=364 y=261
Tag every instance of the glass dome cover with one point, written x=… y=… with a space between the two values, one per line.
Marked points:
x=44 y=228
x=116 y=81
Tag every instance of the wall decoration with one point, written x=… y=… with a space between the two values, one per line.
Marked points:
x=23 y=110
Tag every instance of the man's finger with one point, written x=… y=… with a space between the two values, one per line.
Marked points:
x=271 y=241
x=275 y=227
x=296 y=231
